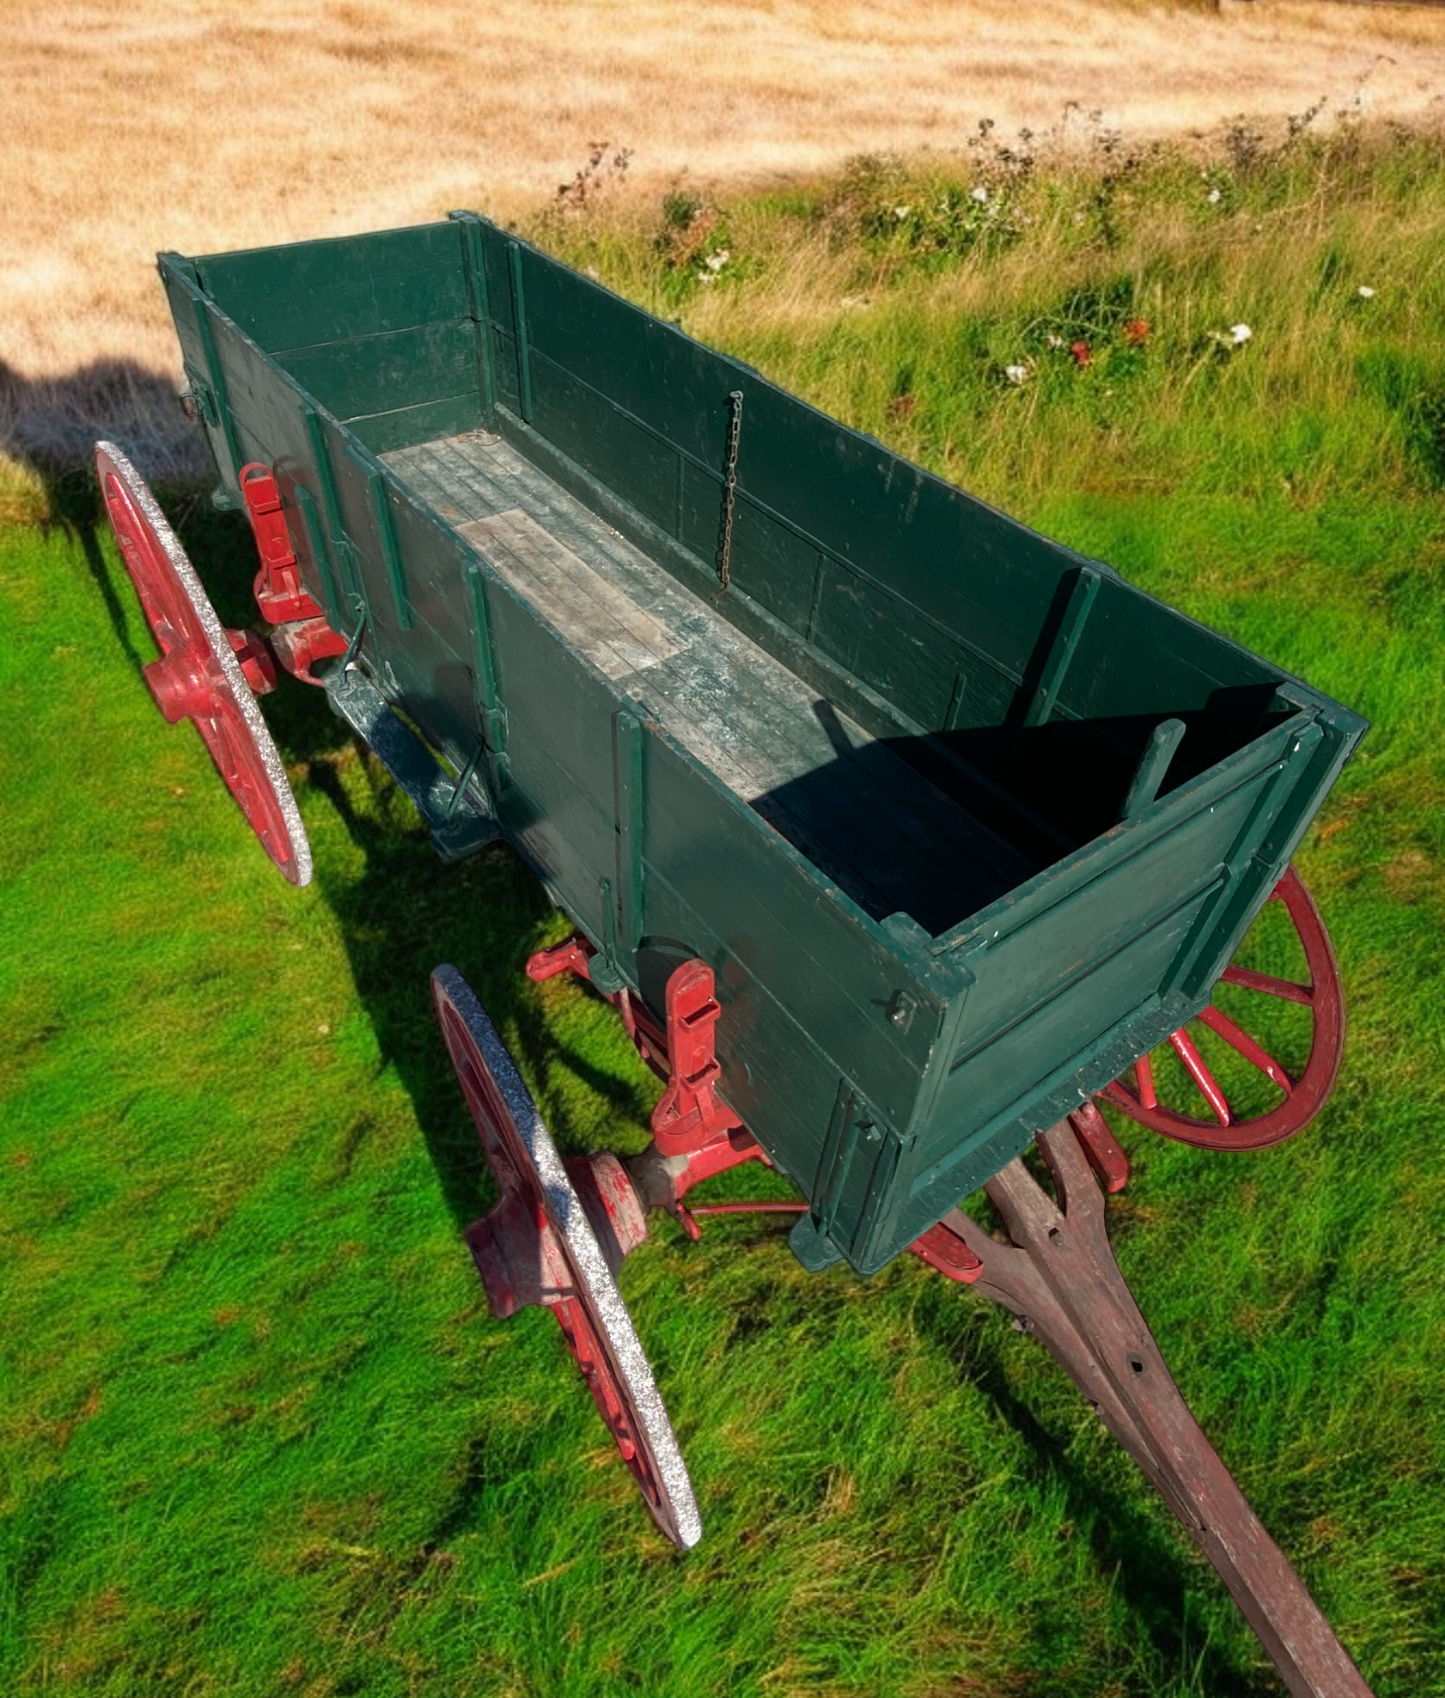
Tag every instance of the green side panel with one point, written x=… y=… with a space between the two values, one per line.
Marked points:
x=788 y=928
x=449 y=416
x=583 y=424
x=879 y=637
x=777 y=568
x=340 y=288
x=1133 y=661
x=391 y=371
x=777 y=1077
x=1085 y=968
x=963 y=564
x=566 y=706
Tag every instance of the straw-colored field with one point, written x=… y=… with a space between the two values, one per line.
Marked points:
x=198 y=125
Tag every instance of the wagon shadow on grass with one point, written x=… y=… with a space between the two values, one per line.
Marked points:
x=1135 y=1543
x=400 y=918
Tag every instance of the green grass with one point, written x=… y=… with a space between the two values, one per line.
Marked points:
x=261 y=1436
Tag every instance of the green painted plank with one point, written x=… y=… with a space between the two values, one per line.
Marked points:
x=304 y=293
x=449 y=415
x=390 y=370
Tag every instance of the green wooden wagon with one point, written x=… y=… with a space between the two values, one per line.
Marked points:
x=896 y=832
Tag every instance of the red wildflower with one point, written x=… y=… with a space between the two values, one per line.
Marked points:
x=1137 y=331
x=1080 y=351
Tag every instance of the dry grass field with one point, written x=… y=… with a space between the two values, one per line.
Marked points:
x=197 y=125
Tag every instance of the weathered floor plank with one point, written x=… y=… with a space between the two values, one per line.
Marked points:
x=868 y=819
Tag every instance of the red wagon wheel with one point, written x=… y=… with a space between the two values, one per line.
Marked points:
x=205 y=673
x=577 y=1284
x=1302 y=1096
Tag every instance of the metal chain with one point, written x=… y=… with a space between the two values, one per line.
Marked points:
x=730 y=484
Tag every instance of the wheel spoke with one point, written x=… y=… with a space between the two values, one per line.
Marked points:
x=1266 y=982
x=1184 y=1048
x=1144 y=1073
x=1237 y=1038
x=1303 y=1089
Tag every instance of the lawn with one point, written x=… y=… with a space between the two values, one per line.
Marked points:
x=261 y=1436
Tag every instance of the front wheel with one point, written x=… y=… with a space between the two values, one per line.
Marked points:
x=1252 y=1099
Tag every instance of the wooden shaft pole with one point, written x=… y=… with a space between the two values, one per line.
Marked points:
x=1060 y=1277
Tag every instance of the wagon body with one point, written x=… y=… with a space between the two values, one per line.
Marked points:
x=740 y=684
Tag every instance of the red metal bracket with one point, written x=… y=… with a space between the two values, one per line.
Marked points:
x=280 y=594
x=300 y=643
x=690 y=1113
x=943 y=1248
x=1099 y=1144
x=569 y=957
x=257 y=662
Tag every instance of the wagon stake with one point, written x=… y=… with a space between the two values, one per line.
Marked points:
x=1060 y=1276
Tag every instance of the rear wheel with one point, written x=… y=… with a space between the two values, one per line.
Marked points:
x=205 y=673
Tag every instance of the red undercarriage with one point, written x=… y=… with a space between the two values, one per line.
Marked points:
x=697 y=1136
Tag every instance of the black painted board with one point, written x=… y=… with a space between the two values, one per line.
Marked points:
x=303 y=293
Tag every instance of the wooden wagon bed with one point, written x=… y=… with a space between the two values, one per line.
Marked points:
x=962 y=822
x=886 y=834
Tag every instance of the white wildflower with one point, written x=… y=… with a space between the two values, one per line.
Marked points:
x=715 y=262
x=1239 y=334
x=1016 y=374
x=980 y=194
x=1214 y=197
x=1365 y=292
x=1055 y=341
x=901 y=212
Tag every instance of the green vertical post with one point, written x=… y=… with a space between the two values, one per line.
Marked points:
x=217 y=378
x=1065 y=646
x=390 y=550
x=519 y=325
x=628 y=809
x=474 y=261
x=331 y=506
x=494 y=719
